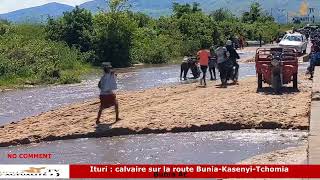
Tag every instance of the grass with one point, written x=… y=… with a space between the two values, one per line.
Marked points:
x=70 y=76
x=27 y=58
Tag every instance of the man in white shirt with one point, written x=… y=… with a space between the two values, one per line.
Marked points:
x=107 y=85
x=222 y=59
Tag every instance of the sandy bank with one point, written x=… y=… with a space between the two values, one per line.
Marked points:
x=293 y=155
x=181 y=108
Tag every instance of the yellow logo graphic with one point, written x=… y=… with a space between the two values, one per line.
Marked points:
x=34 y=170
x=304 y=8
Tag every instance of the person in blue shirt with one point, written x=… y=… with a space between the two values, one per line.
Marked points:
x=314 y=60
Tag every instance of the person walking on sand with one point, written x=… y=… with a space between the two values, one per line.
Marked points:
x=212 y=63
x=204 y=56
x=107 y=85
x=222 y=59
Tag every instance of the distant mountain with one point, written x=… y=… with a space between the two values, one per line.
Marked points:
x=94 y=6
x=37 y=14
x=157 y=8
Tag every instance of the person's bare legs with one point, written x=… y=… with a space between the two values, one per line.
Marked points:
x=99 y=115
x=116 y=107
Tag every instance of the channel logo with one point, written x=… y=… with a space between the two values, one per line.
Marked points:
x=34 y=171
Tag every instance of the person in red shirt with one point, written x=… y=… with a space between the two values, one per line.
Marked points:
x=204 y=56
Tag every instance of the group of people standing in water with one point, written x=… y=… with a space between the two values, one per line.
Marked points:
x=224 y=57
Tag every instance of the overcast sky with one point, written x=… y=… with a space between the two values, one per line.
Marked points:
x=12 y=5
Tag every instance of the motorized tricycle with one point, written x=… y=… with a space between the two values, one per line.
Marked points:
x=276 y=67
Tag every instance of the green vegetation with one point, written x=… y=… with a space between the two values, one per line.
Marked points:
x=124 y=37
x=61 y=50
x=26 y=57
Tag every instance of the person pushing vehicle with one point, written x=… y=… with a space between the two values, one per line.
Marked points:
x=233 y=57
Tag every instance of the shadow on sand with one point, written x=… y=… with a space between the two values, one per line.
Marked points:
x=102 y=128
x=283 y=90
x=228 y=84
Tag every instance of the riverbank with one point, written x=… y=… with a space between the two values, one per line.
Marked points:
x=73 y=76
x=292 y=155
x=181 y=108
x=79 y=74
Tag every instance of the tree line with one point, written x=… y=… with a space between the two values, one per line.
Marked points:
x=124 y=37
x=62 y=49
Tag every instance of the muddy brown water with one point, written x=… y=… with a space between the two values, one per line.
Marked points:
x=202 y=147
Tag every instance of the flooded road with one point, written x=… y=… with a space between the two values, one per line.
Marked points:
x=202 y=147
x=224 y=147
x=19 y=104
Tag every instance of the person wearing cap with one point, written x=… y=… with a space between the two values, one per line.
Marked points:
x=107 y=85
x=204 y=56
x=184 y=68
x=233 y=56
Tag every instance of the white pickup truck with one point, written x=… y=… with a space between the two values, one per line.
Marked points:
x=296 y=40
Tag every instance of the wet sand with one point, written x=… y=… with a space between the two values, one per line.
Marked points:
x=293 y=155
x=180 y=108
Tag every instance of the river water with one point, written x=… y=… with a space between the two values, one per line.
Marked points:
x=202 y=147
x=19 y=104
x=223 y=147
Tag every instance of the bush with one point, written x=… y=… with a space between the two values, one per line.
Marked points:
x=26 y=54
x=113 y=39
x=150 y=48
x=75 y=28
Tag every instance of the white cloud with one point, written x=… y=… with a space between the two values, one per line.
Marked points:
x=12 y=5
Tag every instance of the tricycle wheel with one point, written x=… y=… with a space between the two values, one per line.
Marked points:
x=295 y=81
x=276 y=83
x=259 y=81
x=305 y=52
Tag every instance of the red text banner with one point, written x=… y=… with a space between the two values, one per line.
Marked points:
x=194 y=171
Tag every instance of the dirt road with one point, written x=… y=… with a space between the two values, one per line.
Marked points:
x=181 y=108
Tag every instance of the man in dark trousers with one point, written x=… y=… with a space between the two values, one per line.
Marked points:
x=260 y=40
x=233 y=57
x=222 y=60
